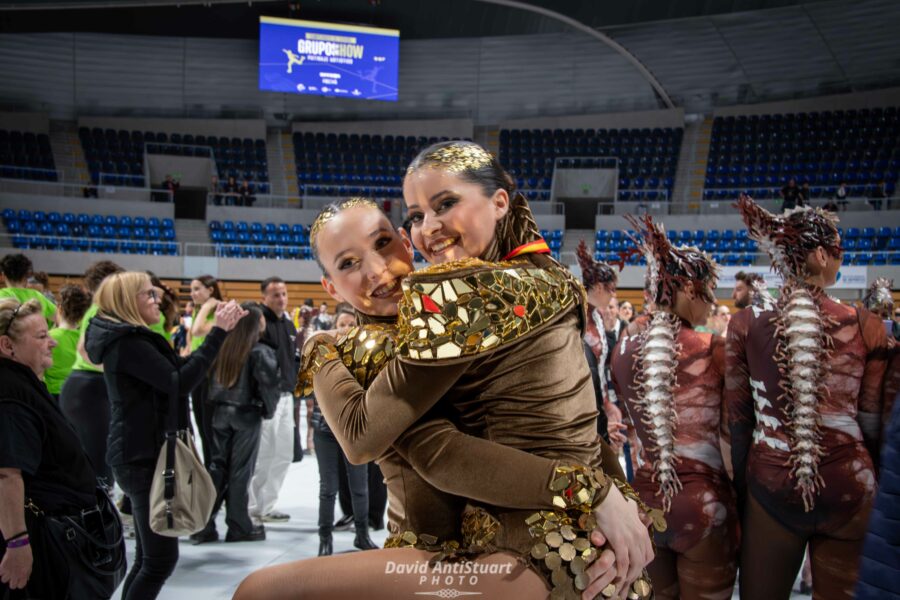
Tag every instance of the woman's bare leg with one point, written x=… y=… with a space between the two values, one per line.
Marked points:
x=393 y=574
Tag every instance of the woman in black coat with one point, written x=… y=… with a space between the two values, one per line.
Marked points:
x=40 y=457
x=138 y=366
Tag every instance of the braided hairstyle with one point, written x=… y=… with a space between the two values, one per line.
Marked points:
x=594 y=272
x=473 y=164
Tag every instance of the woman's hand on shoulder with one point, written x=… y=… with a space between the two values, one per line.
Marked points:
x=228 y=314
x=211 y=303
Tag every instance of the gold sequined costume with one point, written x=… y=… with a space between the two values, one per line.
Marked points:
x=500 y=344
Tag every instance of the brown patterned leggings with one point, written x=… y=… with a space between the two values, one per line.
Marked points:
x=705 y=572
x=771 y=556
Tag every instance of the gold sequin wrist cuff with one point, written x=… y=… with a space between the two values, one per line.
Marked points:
x=561 y=539
x=318 y=352
x=579 y=488
x=656 y=516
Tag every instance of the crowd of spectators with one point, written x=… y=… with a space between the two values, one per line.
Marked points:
x=101 y=360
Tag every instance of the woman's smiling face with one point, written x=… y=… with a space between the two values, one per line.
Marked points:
x=365 y=259
x=449 y=218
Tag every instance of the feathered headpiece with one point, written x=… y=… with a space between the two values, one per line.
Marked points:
x=760 y=296
x=670 y=268
x=594 y=272
x=878 y=298
x=788 y=238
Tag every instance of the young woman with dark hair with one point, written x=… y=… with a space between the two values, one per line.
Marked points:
x=168 y=308
x=16 y=269
x=83 y=398
x=243 y=390
x=330 y=457
x=74 y=302
x=526 y=386
x=670 y=378
x=206 y=296
x=804 y=393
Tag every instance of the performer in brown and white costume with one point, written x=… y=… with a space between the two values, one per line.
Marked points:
x=804 y=395
x=880 y=301
x=600 y=282
x=671 y=379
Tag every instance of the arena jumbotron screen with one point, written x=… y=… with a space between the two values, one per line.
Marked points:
x=328 y=59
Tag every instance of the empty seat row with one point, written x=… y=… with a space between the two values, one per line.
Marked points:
x=26 y=155
x=644 y=157
x=90 y=231
x=243 y=237
x=263 y=252
x=244 y=226
x=828 y=148
x=338 y=159
x=86 y=219
x=117 y=157
x=26 y=242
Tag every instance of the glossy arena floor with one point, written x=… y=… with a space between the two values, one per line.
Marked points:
x=213 y=571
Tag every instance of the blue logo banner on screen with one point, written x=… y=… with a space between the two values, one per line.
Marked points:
x=326 y=59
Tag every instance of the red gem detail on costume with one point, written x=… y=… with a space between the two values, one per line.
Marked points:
x=429 y=304
x=569 y=493
x=519 y=310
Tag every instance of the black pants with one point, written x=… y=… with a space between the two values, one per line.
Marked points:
x=203 y=412
x=236 y=435
x=85 y=403
x=329 y=455
x=155 y=556
x=377 y=494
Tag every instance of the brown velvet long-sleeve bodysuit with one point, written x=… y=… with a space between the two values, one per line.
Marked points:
x=414 y=504
x=529 y=390
x=850 y=417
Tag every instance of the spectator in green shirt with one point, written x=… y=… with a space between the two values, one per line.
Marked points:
x=83 y=398
x=16 y=269
x=73 y=303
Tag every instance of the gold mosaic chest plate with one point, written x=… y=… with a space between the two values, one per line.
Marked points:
x=468 y=307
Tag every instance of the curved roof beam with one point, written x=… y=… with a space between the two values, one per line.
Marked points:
x=575 y=24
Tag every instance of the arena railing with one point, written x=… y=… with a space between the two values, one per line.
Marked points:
x=762 y=259
x=161 y=147
x=725 y=207
x=31 y=170
x=8 y=240
x=848 y=204
x=218 y=250
x=75 y=190
x=259 y=200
